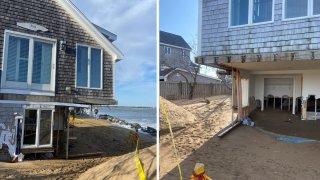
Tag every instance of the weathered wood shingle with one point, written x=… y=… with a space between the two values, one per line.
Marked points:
x=278 y=36
x=61 y=26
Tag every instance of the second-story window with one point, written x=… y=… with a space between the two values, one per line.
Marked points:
x=89 y=67
x=167 y=50
x=29 y=63
x=246 y=12
x=299 y=8
x=296 y=8
x=183 y=53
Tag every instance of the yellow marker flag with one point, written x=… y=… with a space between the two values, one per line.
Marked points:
x=138 y=163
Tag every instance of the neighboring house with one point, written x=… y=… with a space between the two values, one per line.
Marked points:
x=180 y=75
x=53 y=59
x=174 y=51
x=175 y=63
x=272 y=46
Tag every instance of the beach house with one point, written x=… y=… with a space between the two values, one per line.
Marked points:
x=53 y=59
x=272 y=50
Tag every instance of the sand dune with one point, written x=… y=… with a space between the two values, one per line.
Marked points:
x=211 y=118
x=123 y=167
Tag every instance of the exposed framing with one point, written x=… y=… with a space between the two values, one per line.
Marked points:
x=89 y=67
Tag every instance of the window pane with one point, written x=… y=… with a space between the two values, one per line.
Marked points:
x=95 y=71
x=296 y=8
x=30 y=127
x=239 y=12
x=316 y=7
x=82 y=66
x=262 y=11
x=45 y=127
x=17 y=60
x=42 y=60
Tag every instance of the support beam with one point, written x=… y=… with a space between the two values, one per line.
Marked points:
x=67 y=146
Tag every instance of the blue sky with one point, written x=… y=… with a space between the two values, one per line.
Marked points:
x=181 y=17
x=134 y=22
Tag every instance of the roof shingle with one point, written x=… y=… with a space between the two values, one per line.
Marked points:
x=173 y=39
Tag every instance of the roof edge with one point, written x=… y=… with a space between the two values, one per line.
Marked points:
x=84 y=21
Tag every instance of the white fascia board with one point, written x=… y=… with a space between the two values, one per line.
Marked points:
x=175 y=46
x=86 y=23
x=43 y=103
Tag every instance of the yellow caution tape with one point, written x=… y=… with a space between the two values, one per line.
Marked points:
x=138 y=163
x=173 y=143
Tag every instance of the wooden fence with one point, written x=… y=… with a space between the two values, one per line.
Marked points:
x=181 y=90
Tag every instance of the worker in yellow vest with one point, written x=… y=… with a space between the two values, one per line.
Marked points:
x=199 y=173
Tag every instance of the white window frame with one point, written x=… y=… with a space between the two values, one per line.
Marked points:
x=38 y=128
x=167 y=50
x=250 y=16
x=89 y=66
x=309 y=14
x=28 y=87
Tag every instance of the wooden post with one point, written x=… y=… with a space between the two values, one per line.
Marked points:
x=59 y=119
x=67 y=146
x=315 y=108
x=232 y=95
x=304 y=109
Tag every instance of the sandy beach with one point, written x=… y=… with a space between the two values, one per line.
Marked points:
x=88 y=136
x=245 y=153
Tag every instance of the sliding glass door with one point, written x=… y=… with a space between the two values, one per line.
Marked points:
x=37 y=129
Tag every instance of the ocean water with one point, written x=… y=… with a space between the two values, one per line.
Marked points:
x=144 y=116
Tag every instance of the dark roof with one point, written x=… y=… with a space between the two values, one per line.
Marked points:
x=173 y=39
x=109 y=35
x=166 y=71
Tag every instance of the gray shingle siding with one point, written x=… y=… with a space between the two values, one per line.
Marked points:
x=175 y=58
x=278 y=36
x=61 y=26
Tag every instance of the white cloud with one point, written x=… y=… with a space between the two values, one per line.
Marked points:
x=134 y=22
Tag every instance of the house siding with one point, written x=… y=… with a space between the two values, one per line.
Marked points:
x=218 y=39
x=61 y=26
x=175 y=58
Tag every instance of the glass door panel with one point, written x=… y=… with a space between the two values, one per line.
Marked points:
x=45 y=127
x=30 y=128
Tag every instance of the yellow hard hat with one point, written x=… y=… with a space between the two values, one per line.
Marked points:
x=198 y=169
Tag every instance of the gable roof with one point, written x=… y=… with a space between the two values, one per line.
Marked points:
x=109 y=35
x=173 y=39
x=92 y=30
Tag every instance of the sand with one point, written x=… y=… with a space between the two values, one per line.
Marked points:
x=179 y=117
x=89 y=136
x=245 y=153
x=123 y=167
x=210 y=119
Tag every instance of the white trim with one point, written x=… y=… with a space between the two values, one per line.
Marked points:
x=27 y=92
x=309 y=12
x=114 y=79
x=37 y=145
x=250 y=16
x=174 y=46
x=199 y=27
x=43 y=103
x=89 y=66
x=29 y=86
x=86 y=24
